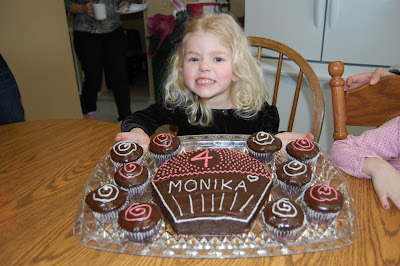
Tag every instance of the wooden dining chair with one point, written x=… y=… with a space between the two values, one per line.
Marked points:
x=367 y=105
x=286 y=53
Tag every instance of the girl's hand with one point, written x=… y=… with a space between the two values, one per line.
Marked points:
x=386 y=180
x=287 y=137
x=371 y=77
x=136 y=135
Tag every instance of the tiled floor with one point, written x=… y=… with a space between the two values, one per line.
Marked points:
x=140 y=99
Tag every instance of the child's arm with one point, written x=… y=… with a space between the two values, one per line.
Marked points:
x=386 y=180
x=136 y=135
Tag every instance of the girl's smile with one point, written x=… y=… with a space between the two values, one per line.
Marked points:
x=208 y=70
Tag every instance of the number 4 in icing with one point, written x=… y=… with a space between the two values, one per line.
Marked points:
x=203 y=156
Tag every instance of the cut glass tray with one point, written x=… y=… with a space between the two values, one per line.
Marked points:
x=255 y=243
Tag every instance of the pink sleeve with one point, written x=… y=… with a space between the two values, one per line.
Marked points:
x=382 y=142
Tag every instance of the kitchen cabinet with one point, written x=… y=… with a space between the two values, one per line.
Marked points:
x=361 y=32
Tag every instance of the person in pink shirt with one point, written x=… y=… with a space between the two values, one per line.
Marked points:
x=375 y=154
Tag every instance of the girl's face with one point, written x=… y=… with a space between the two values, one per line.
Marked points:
x=207 y=69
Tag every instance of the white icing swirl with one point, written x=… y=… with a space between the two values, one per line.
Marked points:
x=284 y=208
x=123 y=148
x=263 y=138
x=295 y=166
x=105 y=192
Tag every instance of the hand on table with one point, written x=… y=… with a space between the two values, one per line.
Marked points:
x=386 y=180
x=136 y=135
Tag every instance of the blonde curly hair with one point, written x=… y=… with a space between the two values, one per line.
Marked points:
x=249 y=93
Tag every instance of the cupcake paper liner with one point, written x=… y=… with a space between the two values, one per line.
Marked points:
x=284 y=234
x=159 y=159
x=262 y=157
x=320 y=217
x=137 y=191
x=109 y=217
x=146 y=236
x=291 y=191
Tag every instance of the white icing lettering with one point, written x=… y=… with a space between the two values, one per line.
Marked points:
x=242 y=184
x=225 y=185
x=178 y=185
x=203 y=182
x=188 y=184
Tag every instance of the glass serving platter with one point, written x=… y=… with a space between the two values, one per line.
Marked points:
x=255 y=243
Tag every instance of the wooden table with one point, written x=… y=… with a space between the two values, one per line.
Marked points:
x=43 y=169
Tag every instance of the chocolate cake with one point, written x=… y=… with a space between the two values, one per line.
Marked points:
x=323 y=203
x=293 y=177
x=105 y=202
x=133 y=178
x=284 y=219
x=164 y=146
x=124 y=151
x=211 y=191
x=303 y=150
x=140 y=222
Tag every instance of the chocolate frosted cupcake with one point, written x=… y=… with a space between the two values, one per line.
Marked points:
x=293 y=177
x=133 y=178
x=263 y=146
x=140 y=222
x=124 y=152
x=323 y=203
x=105 y=203
x=303 y=150
x=284 y=219
x=164 y=146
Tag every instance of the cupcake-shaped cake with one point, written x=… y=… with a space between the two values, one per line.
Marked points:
x=284 y=219
x=105 y=203
x=134 y=178
x=211 y=191
x=124 y=152
x=293 y=177
x=303 y=150
x=263 y=146
x=323 y=203
x=140 y=222
x=164 y=146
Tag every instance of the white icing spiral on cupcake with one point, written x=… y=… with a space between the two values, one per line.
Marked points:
x=284 y=208
x=138 y=212
x=104 y=193
x=303 y=144
x=263 y=138
x=124 y=148
x=296 y=166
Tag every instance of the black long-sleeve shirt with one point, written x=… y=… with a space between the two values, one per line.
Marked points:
x=224 y=121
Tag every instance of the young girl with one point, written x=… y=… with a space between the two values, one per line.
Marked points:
x=214 y=86
x=376 y=153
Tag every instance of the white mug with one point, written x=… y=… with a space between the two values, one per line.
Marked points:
x=100 y=11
